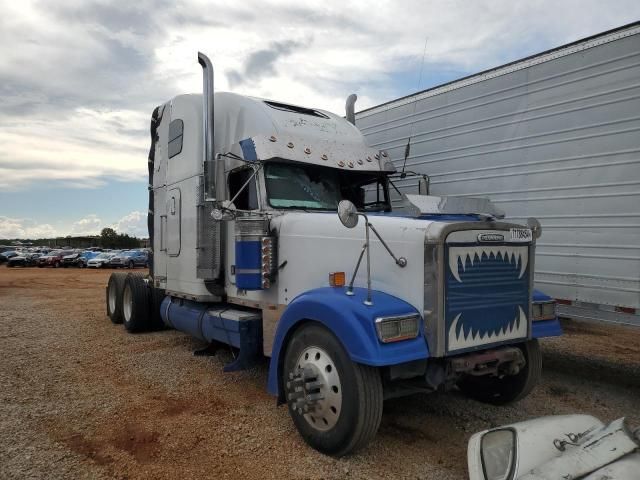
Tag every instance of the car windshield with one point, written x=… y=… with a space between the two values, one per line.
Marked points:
x=104 y=255
x=314 y=187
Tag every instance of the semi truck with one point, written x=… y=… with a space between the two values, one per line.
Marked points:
x=553 y=136
x=273 y=233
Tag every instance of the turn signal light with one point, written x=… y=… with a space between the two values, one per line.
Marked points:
x=337 y=279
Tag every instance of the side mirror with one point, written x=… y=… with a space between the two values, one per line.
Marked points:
x=423 y=186
x=348 y=214
x=226 y=211
x=534 y=225
x=564 y=446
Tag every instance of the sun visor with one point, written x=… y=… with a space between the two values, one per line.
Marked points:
x=333 y=154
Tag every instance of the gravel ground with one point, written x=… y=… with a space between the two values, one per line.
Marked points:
x=81 y=398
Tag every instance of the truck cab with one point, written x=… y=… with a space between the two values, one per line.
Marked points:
x=276 y=230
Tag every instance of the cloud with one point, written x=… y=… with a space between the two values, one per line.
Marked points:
x=79 y=80
x=24 y=228
x=134 y=223
x=90 y=225
x=262 y=63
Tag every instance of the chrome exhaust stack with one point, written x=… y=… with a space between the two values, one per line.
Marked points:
x=350 y=108
x=207 y=110
x=209 y=232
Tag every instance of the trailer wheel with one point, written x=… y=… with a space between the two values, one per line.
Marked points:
x=511 y=388
x=114 y=296
x=335 y=404
x=135 y=303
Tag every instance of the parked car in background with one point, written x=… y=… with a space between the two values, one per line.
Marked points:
x=5 y=256
x=71 y=259
x=24 y=260
x=130 y=259
x=84 y=258
x=53 y=258
x=100 y=261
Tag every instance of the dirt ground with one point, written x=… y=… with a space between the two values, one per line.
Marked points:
x=81 y=398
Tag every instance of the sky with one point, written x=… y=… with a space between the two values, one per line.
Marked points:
x=79 y=79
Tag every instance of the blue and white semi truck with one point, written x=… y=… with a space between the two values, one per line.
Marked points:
x=273 y=232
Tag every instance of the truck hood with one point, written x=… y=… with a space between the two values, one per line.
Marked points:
x=316 y=244
x=313 y=245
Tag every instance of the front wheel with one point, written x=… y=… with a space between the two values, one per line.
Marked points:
x=131 y=264
x=335 y=404
x=509 y=388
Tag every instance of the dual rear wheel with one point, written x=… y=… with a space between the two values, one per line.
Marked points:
x=133 y=302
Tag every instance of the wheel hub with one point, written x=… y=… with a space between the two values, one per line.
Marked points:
x=314 y=389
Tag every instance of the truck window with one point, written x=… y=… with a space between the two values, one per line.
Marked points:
x=321 y=188
x=176 y=130
x=248 y=197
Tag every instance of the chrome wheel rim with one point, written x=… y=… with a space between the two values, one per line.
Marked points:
x=323 y=395
x=112 y=299
x=127 y=303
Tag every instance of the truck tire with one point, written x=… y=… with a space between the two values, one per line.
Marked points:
x=348 y=414
x=511 y=388
x=135 y=303
x=156 y=298
x=114 y=296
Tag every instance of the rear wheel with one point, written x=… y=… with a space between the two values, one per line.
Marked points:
x=156 y=298
x=135 y=304
x=131 y=264
x=335 y=404
x=509 y=388
x=56 y=265
x=115 y=288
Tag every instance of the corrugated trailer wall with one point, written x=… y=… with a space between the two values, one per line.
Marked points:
x=555 y=136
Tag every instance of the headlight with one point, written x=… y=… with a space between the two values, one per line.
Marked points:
x=544 y=310
x=498 y=454
x=401 y=327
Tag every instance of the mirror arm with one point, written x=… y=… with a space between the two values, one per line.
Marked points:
x=368 y=301
x=255 y=172
x=401 y=262
x=355 y=272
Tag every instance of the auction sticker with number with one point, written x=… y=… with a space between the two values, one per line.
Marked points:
x=521 y=235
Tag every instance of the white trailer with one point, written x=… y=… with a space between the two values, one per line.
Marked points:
x=555 y=136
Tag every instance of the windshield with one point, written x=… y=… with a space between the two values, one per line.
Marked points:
x=104 y=255
x=314 y=187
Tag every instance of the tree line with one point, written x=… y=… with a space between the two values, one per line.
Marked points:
x=108 y=238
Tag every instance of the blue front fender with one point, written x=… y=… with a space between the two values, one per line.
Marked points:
x=544 y=328
x=352 y=322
